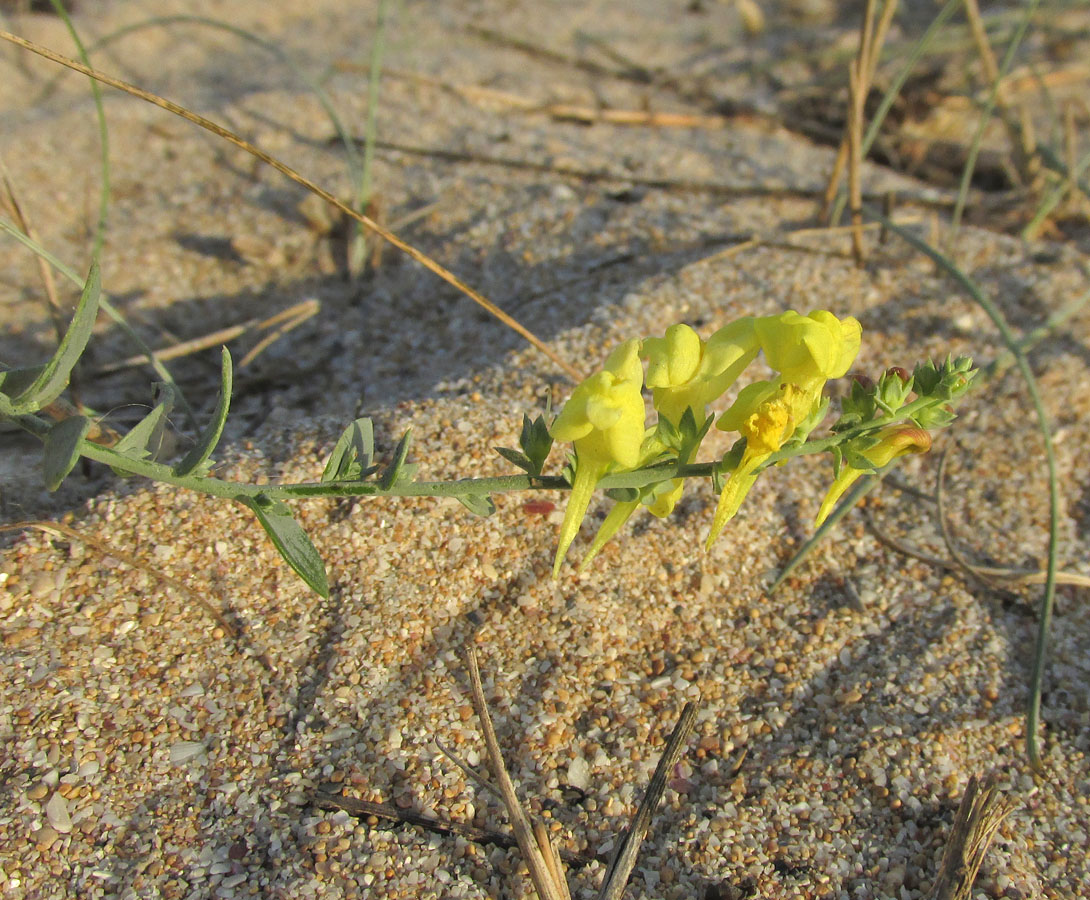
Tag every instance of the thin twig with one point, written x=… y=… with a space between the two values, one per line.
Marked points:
x=1014 y=577
x=620 y=868
x=426 y=261
x=472 y=774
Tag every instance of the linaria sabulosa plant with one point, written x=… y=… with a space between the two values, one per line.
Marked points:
x=613 y=446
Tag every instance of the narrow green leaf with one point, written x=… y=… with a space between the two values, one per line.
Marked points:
x=393 y=471
x=856 y=493
x=291 y=541
x=54 y=377
x=519 y=459
x=478 y=504
x=61 y=451
x=351 y=457
x=195 y=459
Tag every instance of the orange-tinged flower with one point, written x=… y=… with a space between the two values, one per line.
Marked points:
x=894 y=441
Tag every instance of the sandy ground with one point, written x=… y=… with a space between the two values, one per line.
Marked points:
x=146 y=753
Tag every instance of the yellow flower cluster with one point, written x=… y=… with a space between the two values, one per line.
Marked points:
x=605 y=416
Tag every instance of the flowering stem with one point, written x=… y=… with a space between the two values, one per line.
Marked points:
x=501 y=484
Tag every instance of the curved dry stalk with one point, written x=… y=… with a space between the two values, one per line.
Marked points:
x=426 y=261
x=1011 y=577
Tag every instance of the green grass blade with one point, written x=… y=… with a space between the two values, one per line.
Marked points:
x=54 y=377
x=62 y=449
x=195 y=459
x=857 y=492
x=985 y=115
x=105 y=305
x=1033 y=711
x=103 y=135
x=291 y=542
x=1052 y=199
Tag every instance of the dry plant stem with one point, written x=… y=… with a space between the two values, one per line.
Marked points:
x=64 y=531
x=860 y=76
x=60 y=320
x=288 y=319
x=424 y=260
x=366 y=808
x=564 y=112
x=1012 y=577
x=979 y=816
x=620 y=868
x=540 y=871
x=483 y=783
x=1022 y=141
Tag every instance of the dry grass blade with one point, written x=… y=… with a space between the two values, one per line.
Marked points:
x=283 y=322
x=366 y=809
x=229 y=136
x=541 y=871
x=979 y=816
x=620 y=868
x=64 y=531
x=60 y=321
x=861 y=73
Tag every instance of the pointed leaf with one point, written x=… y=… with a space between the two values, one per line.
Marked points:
x=54 y=377
x=478 y=504
x=195 y=459
x=519 y=459
x=536 y=442
x=62 y=446
x=393 y=472
x=144 y=439
x=351 y=457
x=291 y=541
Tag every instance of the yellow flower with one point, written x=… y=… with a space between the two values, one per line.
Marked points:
x=766 y=414
x=894 y=441
x=818 y=346
x=686 y=372
x=806 y=351
x=604 y=418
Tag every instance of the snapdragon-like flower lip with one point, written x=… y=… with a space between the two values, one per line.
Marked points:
x=804 y=348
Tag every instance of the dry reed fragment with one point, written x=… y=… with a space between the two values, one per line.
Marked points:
x=979 y=816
